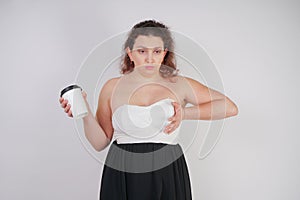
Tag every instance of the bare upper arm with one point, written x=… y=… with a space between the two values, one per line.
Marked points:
x=197 y=93
x=104 y=113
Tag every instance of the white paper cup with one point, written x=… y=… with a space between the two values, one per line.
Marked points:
x=74 y=96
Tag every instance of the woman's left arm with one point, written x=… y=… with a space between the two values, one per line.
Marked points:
x=208 y=104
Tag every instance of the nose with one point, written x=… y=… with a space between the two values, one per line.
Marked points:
x=149 y=58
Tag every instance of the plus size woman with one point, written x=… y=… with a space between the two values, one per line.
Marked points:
x=140 y=114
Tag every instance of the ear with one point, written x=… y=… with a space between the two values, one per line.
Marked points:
x=128 y=51
x=165 y=51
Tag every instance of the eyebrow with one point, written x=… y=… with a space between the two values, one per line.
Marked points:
x=148 y=48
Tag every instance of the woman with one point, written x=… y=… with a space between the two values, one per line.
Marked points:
x=141 y=113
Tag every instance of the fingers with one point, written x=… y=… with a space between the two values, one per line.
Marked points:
x=66 y=106
x=64 y=103
x=84 y=94
x=70 y=113
x=177 y=111
x=67 y=110
x=175 y=104
x=175 y=119
x=170 y=128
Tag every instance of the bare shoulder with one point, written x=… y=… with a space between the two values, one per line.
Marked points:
x=104 y=112
x=109 y=86
x=106 y=91
x=187 y=83
x=181 y=78
x=192 y=90
x=190 y=83
x=112 y=82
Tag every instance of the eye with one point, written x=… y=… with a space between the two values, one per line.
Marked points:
x=158 y=51
x=141 y=51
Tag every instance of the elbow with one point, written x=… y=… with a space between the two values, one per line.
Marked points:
x=98 y=149
x=101 y=147
x=235 y=111
x=232 y=109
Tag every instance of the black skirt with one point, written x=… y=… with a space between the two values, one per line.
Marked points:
x=145 y=171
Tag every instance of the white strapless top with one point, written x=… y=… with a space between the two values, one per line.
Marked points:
x=138 y=124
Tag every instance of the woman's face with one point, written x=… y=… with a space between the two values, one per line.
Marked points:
x=147 y=52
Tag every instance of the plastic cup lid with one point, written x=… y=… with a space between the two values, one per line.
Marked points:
x=71 y=87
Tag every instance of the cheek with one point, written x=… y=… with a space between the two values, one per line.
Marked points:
x=160 y=58
x=135 y=57
x=139 y=58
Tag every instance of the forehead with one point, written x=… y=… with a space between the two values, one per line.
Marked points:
x=148 y=41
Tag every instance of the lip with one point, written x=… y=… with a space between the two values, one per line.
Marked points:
x=149 y=67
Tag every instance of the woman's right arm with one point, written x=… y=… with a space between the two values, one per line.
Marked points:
x=94 y=133
x=98 y=130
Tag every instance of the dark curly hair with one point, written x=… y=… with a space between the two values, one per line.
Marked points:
x=153 y=28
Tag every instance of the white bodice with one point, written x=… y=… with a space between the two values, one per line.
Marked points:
x=138 y=124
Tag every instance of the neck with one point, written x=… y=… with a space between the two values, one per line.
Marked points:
x=143 y=76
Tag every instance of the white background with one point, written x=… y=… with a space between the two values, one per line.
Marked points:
x=254 y=44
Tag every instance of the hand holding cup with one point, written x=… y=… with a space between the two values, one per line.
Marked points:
x=73 y=100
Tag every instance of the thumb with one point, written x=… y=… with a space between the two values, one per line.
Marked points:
x=84 y=94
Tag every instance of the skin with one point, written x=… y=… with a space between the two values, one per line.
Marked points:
x=147 y=51
x=150 y=51
x=208 y=104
